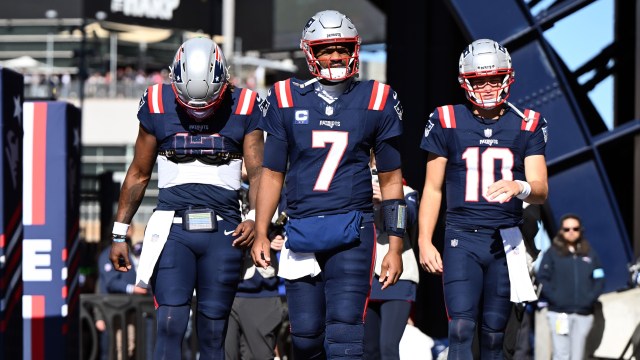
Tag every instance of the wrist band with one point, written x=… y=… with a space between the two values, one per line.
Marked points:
x=120 y=228
x=526 y=190
x=251 y=215
x=118 y=238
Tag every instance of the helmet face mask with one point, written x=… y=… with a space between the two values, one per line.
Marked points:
x=325 y=29
x=199 y=74
x=486 y=63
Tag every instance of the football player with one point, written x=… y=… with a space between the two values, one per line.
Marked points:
x=320 y=133
x=491 y=157
x=200 y=128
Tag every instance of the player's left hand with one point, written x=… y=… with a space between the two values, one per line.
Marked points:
x=503 y=191
x=245 y=230
x=391 y=268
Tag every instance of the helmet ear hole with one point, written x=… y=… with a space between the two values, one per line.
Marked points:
x=460 y=80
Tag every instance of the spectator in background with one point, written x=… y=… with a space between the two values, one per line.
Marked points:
x=572 y=279
x=257 y=312
x=388 y=310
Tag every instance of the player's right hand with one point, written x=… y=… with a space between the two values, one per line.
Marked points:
x=119 y=256
x=260 y=252
x=430 y=259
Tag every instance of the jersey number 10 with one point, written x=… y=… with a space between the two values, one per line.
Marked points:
x=482 y=165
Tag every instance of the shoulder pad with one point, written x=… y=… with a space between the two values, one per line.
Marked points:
x=447 y=117
x=246 y=101
x=283 y=93
x=379 y=93
x=154 y=97
x=530 y=121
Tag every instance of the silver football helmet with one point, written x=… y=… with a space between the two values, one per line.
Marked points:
x=331 y=27
x=199 y=74
x=485 y=58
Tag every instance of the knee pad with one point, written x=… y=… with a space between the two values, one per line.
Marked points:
x=345 y=340
x=462 y=330
x=308 y=346
x=492 y=340
x=171 y=326
x=211 y=335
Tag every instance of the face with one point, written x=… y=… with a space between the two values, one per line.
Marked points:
x=571 y=230
x=486 y=87
x=333 y=56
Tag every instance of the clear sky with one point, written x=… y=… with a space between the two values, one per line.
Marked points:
x=580 y=37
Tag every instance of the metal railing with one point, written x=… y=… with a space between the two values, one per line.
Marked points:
x=130 y=328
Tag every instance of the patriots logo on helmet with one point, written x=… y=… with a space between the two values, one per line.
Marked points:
x=311 y=21
x=177 y=72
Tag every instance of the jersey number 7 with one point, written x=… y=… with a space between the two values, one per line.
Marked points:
x=339 y=141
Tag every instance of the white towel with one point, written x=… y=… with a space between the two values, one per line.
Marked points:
x=155 y=236
x=296 y=265
x=521 y=286
x=250 y=269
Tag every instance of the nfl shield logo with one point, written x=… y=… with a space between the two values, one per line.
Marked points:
x=454 y=242
x=328 y=110
x=488 y=133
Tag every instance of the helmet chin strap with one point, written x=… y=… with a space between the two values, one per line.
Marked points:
x=200 y=115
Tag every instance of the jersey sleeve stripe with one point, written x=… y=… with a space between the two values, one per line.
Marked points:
x=283 y=93
x=447 y=116
x=155 y=99
x=245 y=104
x=378 y=96
x=533 y=117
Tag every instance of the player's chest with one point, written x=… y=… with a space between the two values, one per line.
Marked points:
x=308 y=121
x=485 y=137
x=173 y=126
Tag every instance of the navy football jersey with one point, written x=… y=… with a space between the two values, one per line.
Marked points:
x=197 y=184
x=480 y=152
x=328 y=143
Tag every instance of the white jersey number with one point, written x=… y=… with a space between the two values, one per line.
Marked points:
x=339 y=141
x=483 y=165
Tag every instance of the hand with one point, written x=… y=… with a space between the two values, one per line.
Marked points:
x=245 y=230
x=260 y=252
x=119 y=256
x=277 y=243
x=503 y=190
x=101 y=325
x=391 y=269
x=139 y=290
x=430 y=259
